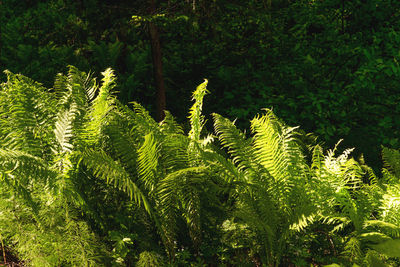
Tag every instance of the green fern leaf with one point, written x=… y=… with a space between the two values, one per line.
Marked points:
x=195 y=117
x=104 y=167
x=147 y=162
x=235 y=141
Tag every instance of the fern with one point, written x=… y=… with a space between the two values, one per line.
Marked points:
x=274 y=169
x=195 y=117
x=100 y=107
x=64 y=129
x=235 y=141
x=147 y=162
x=391 y=160
x=41 y=134
x=27 y=111
x=67 y=151
x=106 y=168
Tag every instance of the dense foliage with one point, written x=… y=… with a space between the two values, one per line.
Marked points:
x=89 y=181
x=330 y=65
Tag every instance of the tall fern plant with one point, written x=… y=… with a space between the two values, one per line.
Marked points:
x=159 y=167
x=270 y=172
x=39 y=133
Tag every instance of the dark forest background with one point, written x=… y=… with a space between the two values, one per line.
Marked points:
x=330 y=66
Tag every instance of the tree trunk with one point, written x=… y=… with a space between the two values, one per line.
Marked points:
x=157 y=65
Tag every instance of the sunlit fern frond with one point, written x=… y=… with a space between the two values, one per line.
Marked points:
x=26 y=114
x=100 y=107
x=239 y=147
x=337 y=172
x=372 y=178
x=81 y=86
x=276 y=147
x=317 y=159
x=20 y=171
x=336 y=165
x=137 y=119
x=76 y=86
x=60 y=85
x=143 y=120
x=72 y=88
x=91 y=87
x=64 y=128
x=352 y=174
x=390 y=205
x=106 y=168
x=339 y=222
x=390 y=229
x=331 y=179
x=303 y=222
x=374 y=237
x=196 y=118
x=277 y=150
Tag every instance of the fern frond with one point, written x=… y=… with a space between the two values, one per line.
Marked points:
x=303 y=222
x=78 y=85
x=239 y=147
x=148 y=155
x=261 y=216
x=225 y=168
x=143 y=117
x=195 y=116
x=317 y=159
x=374 y=237
x=391 y=160
x=390 y=205
x=276 y=147
x=353 y=248
x=340 y=222
x=169 y=125
x=60 y=85
x=64 y=128
x=335 y=164
x=139 y=119
x=26 y=114
x=181 y=187
x=389 y=228
x=180 y=181
x=30 y=167
x=101 y=106
x=174 y=152
x=122 y=144
x=21 y=171
x=104 y=167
